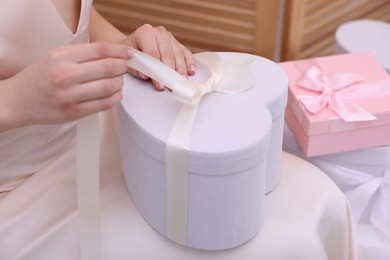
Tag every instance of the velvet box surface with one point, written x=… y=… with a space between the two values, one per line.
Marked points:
x=229 y=157
x=326 y=132
x=365 y=35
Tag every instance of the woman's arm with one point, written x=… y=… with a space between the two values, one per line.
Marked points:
x=78 y=80
x=68 y=83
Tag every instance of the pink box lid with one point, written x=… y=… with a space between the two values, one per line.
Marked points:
x=327 y=121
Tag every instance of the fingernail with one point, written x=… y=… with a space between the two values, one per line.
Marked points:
x=185 y=75
x=129 y=54
x=143 y=76
x=192 y=69
x=160 y=86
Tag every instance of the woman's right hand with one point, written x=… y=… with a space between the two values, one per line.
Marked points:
x=67 y=84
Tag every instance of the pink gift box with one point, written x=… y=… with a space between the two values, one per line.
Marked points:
x=337 y=127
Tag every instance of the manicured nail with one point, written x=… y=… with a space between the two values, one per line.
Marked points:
x=143 y=76
x=192 y=69
x=160 y=86
x=130 y=54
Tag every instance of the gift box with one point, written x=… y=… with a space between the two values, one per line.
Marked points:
x=338 y=103
x=221 y=197
x=365 y=35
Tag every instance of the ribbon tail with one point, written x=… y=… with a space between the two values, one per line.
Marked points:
x=177 y=170
x=374 y=89
x=349 y=111
x=88 y=189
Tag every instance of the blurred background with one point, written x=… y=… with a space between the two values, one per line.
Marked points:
x=280 y=30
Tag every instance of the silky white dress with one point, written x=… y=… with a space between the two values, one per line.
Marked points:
x=307 y=217
x=38 y=204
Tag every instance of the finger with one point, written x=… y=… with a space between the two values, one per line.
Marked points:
x=148 y=44
x=157 y=85
x=105 y=68
x=180 y=62
x=92 y=51
x=91 y=71
x=189 y=60
x=163 y=41
x=93 y=106
x=137 y=74
x=93 y=90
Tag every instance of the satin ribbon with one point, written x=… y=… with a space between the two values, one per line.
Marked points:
x=230 y=77
x=88 y=188
x=233 y=76
x=336 y=90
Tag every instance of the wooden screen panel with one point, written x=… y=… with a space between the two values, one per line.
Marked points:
x=310 y=25
x=202 y=25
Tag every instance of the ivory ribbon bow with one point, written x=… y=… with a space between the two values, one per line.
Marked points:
x=230 y=77
x=335 y=91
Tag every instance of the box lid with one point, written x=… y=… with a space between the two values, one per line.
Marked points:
x=231 y=131
x=365 y=35
x=327 y=121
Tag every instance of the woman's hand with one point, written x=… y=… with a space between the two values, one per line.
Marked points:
x=67 y=84
x=160 y=44
x=155 y=41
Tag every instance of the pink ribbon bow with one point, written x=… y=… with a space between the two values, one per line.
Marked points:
x=336 y=90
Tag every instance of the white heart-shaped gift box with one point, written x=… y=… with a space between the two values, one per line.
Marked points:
x=234 y=151
x=365 y=35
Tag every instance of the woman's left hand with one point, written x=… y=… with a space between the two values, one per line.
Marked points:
x=160 y=44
